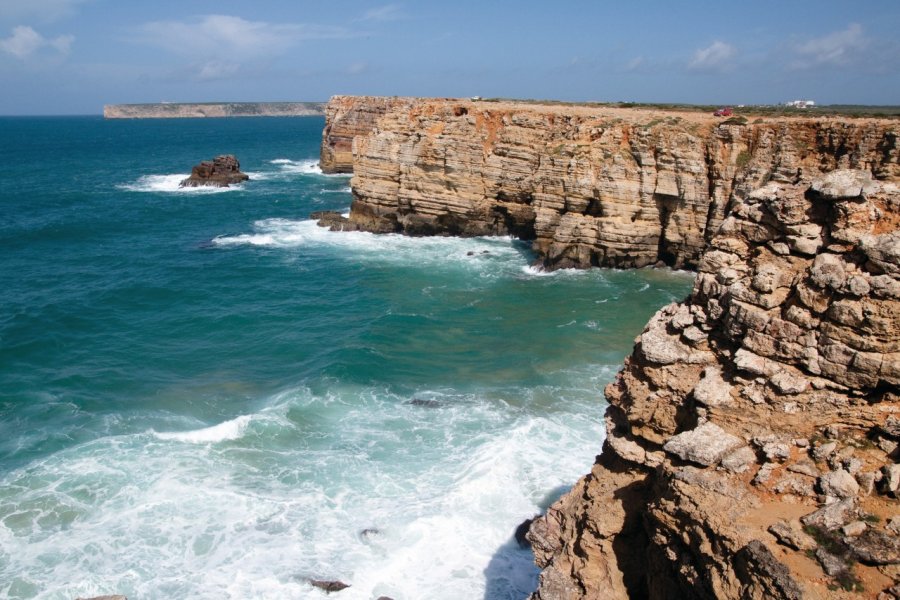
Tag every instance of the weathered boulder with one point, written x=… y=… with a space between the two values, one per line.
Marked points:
x=222 y=171
x=875 y=547
x=838 y=484
x=706 y=445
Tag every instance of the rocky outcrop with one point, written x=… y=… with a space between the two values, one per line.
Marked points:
x=752 y=435
x=591 y=185
x=222 y=171
x=179 y=110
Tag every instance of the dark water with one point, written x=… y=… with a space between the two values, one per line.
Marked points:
x=204 y=395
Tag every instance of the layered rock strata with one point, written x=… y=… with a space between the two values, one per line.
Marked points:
x=592 y=186
x=347 y=118
x=222 y=171
x=752 y=435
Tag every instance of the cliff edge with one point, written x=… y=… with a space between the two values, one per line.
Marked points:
x=752 y=435
x=591 y=186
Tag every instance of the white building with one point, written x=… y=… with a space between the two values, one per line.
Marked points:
x=801 y=104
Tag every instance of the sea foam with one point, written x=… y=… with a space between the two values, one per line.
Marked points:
x=171 y=184
x=229 y=430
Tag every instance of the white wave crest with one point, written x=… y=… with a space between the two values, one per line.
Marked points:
x=171 y=184
x=309 y=166
x=485 y=254
x=229 y=430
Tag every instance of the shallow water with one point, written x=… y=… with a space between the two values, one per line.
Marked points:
x=205 y=395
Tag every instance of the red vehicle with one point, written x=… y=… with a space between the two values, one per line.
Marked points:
x=725 y=111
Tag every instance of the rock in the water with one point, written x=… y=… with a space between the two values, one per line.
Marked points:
x=329 y=585
x=425 y=403
x=332 y=219
x=221 y=171
x=706 y=445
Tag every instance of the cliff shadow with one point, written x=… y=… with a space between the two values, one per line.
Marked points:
x=511 y=573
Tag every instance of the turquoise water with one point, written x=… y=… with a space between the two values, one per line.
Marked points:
x=204 y=395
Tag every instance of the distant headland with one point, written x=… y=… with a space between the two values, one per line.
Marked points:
x=176 y=110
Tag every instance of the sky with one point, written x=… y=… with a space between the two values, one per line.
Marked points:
x=74 y=56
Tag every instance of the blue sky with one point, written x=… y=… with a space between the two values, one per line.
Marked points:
x=73 y=56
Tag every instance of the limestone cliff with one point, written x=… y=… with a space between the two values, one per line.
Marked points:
x=752 y=436
x=180 y=110
x=348 y=118
x=591 y=185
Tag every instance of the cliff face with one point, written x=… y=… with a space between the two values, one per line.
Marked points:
x=348 y=118
x=592 y=186
x=751 y=446
x=177 y=110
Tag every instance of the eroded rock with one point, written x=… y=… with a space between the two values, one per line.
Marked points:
x=707 y=445
x=222 y=171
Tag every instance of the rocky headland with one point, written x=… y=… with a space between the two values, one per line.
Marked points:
x=222 y=171
x=590 y=185
x=752 y=436
x=192 y=110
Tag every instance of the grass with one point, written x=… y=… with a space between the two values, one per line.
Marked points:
x=833 y=544
x=743 y=159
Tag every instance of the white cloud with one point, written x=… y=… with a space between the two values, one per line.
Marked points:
x=388 y=12
x=43 y=10
x=835 y=49
x=718 y=56
x=25 y=42
x=223 y=35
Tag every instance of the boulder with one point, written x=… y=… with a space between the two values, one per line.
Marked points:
x=875 y=547
x=222 y=171
x=831 y=516
x=707 y=445
x=792 y=535
x=839 y=484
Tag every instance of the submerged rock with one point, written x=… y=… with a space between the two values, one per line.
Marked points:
x=221 y=171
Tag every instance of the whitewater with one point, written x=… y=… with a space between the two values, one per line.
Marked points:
x=203 y=394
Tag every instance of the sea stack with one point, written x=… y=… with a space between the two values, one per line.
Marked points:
x=221 y=171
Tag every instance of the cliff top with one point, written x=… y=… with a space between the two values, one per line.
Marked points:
x=654 y=113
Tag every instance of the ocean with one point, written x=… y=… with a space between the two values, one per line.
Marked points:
x=205 y=395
